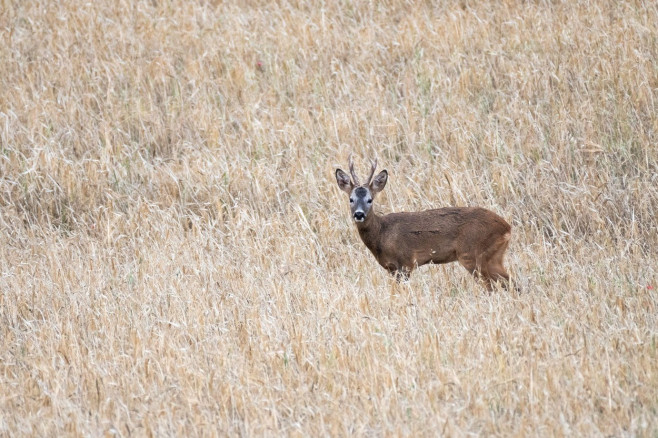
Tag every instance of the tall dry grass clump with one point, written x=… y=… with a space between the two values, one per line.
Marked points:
x=176 y=260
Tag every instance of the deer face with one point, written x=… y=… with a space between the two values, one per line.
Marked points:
x=360 y=203
x=361 y=196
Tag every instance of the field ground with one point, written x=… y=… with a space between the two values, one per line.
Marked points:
x=176 y=259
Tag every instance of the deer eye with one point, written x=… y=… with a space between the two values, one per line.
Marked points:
x=351 y=200
x=369 y=201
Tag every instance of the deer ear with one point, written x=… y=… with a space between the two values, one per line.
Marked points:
x=379 y=182
x=344 y=181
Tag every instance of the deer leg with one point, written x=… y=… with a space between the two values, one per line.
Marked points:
x=475 y=269
x=496 y=272
x=400 y=273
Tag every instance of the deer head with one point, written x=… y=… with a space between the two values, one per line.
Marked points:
x=361 y=196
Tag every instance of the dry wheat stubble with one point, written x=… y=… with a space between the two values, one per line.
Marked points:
x=176 y=260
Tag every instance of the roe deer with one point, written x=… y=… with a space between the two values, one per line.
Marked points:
x=475 y=237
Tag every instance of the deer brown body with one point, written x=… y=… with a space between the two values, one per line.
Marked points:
x=475 y=237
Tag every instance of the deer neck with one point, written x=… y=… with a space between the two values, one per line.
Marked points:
x=369 y=230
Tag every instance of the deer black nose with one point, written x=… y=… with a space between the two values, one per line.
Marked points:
x=359 y=216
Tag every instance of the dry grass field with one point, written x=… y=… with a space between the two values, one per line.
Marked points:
x=177 y=260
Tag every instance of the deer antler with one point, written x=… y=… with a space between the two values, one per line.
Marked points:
x=355 y=180
x=372 y=171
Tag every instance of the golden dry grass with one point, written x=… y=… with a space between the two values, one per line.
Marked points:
x=176 y=258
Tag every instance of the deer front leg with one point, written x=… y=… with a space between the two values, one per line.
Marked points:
x=400 y=273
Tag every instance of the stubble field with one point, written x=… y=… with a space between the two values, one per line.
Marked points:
x=176 y=259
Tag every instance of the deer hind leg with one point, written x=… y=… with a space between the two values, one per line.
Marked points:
x=492 y=262
x=473 y=266
x=488 y=266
